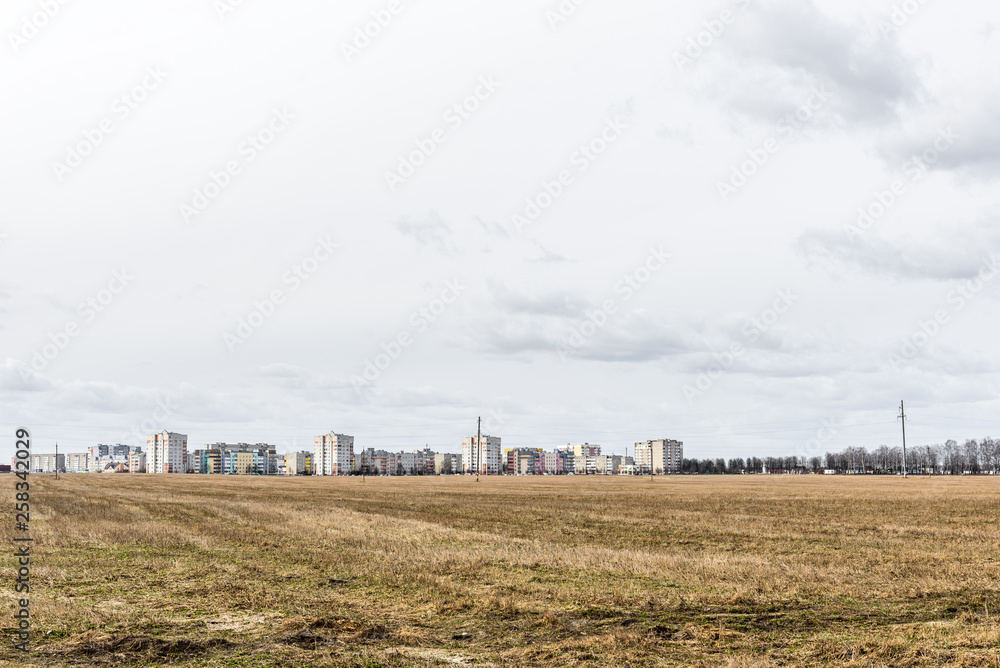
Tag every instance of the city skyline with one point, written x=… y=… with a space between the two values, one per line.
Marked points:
x=334 y=455
x=818 y=446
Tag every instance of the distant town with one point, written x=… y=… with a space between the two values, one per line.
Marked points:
x=334 y=454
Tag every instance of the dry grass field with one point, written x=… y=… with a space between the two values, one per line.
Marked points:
x=684 y=571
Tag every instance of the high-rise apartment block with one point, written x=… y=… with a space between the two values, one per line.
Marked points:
x=333 y=454
x=482 y=456
x=663 y=456
x=166 y=452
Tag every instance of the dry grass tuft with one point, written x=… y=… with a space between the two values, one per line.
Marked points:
x=96 y=644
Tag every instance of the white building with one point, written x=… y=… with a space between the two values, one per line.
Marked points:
x=166 y=453
x=609 y=464
x=137 y=462
x=586 y=464
x=482 y=457
x=47 y=463
x=409 y=462
x=103 y=457
x=550 y=462
x=99 y=464
x=332 y=454
x=662 y=456
x=447 y=462
x=77 y=462
x=298 y=463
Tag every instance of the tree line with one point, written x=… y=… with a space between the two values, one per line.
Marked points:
x=973 y=457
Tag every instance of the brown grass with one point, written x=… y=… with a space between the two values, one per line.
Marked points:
x=738 y=571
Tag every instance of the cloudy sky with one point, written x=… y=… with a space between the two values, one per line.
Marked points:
x=752 y=226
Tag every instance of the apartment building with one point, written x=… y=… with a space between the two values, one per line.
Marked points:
x=166 y=452
x=123 y=451
x=46 y=463
x=237 y=462
x=384 y=463
x=446 y=463
x=553 y=463
x=483 y=456
x=364 y=462
x=524 y=461
x=586 y=450
x=246 y=463
x=102 y=457
x=298 y=463
x=408 y=462
x=609 y=464
x=196 y=459
x=76 y=462
x=418 y=462
x=206 y=460
x=580 y=459
x=101 y=464
x=568 y=459
x=235 y=459
x=137 y=462
x=663 y=456
x=425 y=461
x=585 y=464
x=333 y=454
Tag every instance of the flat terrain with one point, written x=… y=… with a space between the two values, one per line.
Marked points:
x=579 y=571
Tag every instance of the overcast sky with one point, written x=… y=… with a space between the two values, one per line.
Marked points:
x=751 y=226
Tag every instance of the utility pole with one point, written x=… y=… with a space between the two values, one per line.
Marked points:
x=479 y=444
x=902 y=417
x=57 y=460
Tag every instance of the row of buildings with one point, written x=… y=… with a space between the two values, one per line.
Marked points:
x=334 y=454
x=97 y=459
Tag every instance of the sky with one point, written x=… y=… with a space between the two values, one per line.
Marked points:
x=752 y=226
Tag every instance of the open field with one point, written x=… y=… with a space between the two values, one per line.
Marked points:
x=687 y=571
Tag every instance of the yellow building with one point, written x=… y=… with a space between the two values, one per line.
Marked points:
x=244 y=463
